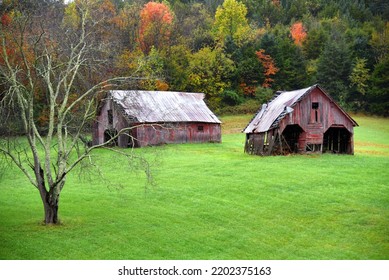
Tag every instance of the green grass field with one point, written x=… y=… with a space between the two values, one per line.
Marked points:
x=212 y=201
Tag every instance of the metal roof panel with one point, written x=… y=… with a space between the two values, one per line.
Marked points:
x=164 y=106
x=269 y=113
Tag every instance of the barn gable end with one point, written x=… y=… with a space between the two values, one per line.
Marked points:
x=300 y=121
x=155 y=118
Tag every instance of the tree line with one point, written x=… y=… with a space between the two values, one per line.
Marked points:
x=236 y=52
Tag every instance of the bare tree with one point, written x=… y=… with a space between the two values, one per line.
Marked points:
x=40 y=58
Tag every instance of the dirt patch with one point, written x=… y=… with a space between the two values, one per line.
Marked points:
x=371 y=148
x=372 y=152
x=371 y=144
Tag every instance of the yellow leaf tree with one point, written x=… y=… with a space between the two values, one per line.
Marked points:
x=231 y=22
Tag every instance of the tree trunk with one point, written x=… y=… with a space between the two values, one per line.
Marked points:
x=50 y=203
x=51 y=213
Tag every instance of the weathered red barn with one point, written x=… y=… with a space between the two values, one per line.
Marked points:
x=300 y=121
x=143 y=118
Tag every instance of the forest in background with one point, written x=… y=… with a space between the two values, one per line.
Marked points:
x=236 y=52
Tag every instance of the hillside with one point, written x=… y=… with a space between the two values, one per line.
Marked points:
x=212 y=201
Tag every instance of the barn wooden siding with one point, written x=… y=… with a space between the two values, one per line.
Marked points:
x=301 y=121
x=155 y=118
x=170 y=133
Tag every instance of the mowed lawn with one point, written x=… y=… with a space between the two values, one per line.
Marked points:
x=212 y=201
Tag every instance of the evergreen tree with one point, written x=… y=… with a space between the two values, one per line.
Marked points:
x=314 y=43
x=288 y=58
x=378 y=95
x=334 y=67
x=290 y=61
x=359 y=79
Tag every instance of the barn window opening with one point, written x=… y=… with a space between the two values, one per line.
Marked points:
x=200 y=128
x=315 y=117
x=110 y=117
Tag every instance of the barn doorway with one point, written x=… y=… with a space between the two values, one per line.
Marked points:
x=291 y=135
x=337 y=140
x=108 y=135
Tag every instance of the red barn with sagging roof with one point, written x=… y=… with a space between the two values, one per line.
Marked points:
x=143 y=118
x=300 y=121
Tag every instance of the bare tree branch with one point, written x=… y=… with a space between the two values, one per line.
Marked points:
x=44 y=65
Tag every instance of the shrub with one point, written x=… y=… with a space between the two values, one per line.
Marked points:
x=250 y=106
x=231 y=97
x=263 y=95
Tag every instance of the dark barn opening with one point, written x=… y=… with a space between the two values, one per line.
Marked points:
x=109 y=134
x=337 y=140
x=291 y=135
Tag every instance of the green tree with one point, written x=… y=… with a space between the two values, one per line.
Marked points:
x=249 y=71
x=292 y=65
x=378 y=95
x=379 y=7
x=297 y=9
x=127 y=22
x=334 y=66
x=193 y=26
x=176 y=63
x=150 y=67
x=209 y=72
x=330 y=10
x=380 y=43
x=265 y=12
x=360 y=76
x=359 y=85
x=288 y=58
x=314 y=43
x=231 y=22
x=359 y=39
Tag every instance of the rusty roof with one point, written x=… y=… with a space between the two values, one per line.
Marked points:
x=163 y=106
x=271 y=114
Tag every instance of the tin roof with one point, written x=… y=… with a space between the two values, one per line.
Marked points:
x=163 y=106
x=271 y=114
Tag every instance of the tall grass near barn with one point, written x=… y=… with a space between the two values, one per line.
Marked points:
x=212 y=201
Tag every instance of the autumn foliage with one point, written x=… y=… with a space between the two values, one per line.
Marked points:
x=155 y=25
x=269 y=67
x=248 y=90
x=211 y=46
x=298 y=33
x=6 y=19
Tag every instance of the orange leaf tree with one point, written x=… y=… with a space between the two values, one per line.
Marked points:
x=269 y=67
x=298 y=33
x=155 y=26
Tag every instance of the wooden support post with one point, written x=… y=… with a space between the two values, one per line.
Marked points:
x=338 y=140
x=271 y=142
x=280 y=140
x=261 y=139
